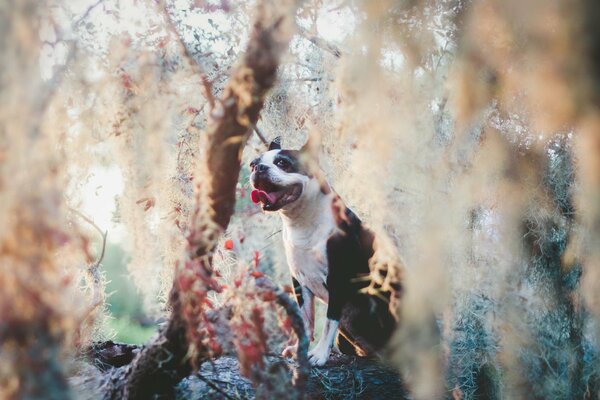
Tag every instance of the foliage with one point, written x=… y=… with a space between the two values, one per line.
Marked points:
x=464 y=133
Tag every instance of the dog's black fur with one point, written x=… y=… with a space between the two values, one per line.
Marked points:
x=366 y=322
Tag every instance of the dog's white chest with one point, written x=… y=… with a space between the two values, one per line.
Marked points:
x=306 y=253
x=309 y=266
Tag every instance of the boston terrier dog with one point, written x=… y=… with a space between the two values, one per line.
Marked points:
x=327 y=250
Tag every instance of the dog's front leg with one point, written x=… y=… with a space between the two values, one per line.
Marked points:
x=319 y=355
x=339 y=288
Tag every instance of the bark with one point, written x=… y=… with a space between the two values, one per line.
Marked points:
x=159 y=365
x=342 y=377
x=163 y=362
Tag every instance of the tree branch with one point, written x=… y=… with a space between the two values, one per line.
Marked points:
x=93 y=269
x=261 y=135
x=161 y=364
x=342 y=377
x=320 y=43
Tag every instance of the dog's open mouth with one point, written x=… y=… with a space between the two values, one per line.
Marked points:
x=273 y=197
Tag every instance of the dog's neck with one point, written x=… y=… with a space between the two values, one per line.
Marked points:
x=310 y=211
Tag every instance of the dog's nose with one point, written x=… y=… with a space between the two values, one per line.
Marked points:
x=262 y=168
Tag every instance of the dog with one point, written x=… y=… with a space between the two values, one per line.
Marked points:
x=327 y=250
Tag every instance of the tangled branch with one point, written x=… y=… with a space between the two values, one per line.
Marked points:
x=186 y=340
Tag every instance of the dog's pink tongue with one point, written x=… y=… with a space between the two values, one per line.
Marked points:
x=260 y=195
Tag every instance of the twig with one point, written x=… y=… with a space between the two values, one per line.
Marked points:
x=87 y=12
x=315 y=79
x=92 y=269
x=292 y=310
x=104 y=234
x=60 y=35
x=172 y=27
x=260 y=135
x=208 y=89
x=320 y=43
x=216 y=388
x=273 y=234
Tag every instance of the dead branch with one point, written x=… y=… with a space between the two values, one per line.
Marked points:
x=108 y=355
x=292 y=310
x=320 y=42
x=343 y=377
x=261 y=136
x=93 y=270
x=162 y=363
x=195 y=67
x=208 y=89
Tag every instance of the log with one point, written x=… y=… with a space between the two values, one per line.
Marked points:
x=343 y=377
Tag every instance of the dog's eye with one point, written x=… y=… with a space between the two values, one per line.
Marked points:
x=283 y=163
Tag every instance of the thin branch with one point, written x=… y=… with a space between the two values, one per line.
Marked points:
x=61 y=34
x=260 y=135
x=216 y=388
x=93 y=269
x=172 y=27
x=320 y=42
x=87 y=12
x=48 y=90
x=290 y=306
x=315 y=79
x=208 y=89
x=104 y=234
x=292 y=310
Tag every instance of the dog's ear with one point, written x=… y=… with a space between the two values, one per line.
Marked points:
x=309 y=154
x=275 y=144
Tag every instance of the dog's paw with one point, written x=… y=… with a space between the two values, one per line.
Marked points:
x=290 y=351
x=335 y=350
x=318 y=356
